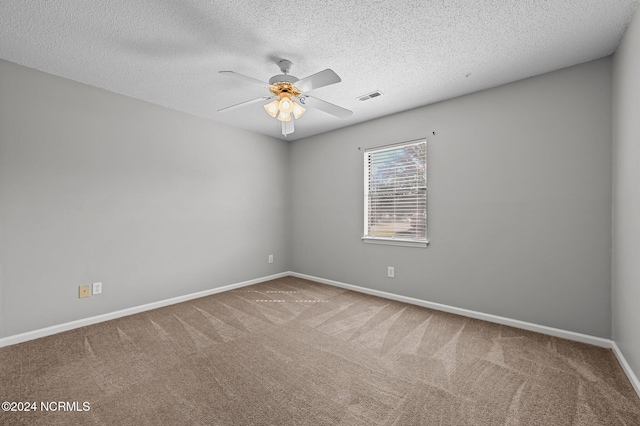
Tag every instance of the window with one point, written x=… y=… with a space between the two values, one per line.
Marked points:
x=395 y=194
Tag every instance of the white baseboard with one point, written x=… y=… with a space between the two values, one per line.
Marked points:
x=626 y=367
x=35 y=334
x=570 y=335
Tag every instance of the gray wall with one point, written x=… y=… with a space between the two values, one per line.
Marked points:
x=154 y=203
x=626 y=195
x=95 y=186
x=519 y=209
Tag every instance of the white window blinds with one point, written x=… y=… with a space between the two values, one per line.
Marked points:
x=396 y=194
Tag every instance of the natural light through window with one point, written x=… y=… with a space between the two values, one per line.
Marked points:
x=395 y=194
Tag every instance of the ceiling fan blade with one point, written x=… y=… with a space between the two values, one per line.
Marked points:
x=245 y=77
x=320 y=79
x=325 y=106
x=252 y=101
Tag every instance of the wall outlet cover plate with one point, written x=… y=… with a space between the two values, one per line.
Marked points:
x=391 y=272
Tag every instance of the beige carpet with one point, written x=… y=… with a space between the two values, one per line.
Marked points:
x=294 y=352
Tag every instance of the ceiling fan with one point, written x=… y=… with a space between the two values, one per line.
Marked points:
x=289 y=94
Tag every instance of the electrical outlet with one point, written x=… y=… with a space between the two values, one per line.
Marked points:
x=83 y=291
x=97 y=288
x=270 y=258
x=391 y=272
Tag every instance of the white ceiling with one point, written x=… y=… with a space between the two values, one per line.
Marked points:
x=169 y=52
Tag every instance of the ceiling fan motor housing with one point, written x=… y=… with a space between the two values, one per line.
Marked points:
x=283 y=78
x=280 y=87
x=285 y=67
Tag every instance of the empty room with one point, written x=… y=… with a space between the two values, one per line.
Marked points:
x=320 y=213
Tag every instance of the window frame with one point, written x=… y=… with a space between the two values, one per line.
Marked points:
x=406 y=242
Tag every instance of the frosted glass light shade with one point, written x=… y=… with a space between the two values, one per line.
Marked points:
x=297 y=110
x=272 y=108
x=286 y=104
x=284 y=116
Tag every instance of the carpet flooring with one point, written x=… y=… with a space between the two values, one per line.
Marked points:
x=296 y=352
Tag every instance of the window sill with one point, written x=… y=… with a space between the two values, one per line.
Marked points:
x=395 y=242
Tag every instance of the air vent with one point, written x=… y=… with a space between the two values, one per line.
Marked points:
x=370 y=95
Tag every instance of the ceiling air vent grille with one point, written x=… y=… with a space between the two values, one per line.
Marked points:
x=370 y=95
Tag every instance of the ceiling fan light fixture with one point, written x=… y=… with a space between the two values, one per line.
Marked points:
x=272 y=108
x=298 y=110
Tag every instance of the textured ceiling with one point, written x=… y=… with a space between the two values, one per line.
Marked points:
x=169 y=52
